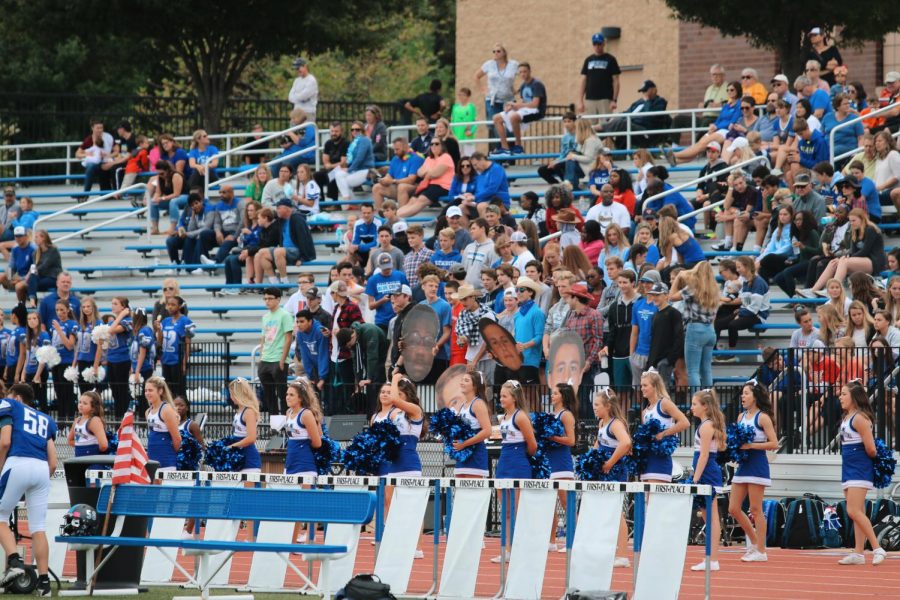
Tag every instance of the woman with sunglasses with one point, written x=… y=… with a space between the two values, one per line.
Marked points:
x=437 y=176
x=752 y=476
x=360 y=159
x=201 y=158
x=500 y=73
x=730 y=113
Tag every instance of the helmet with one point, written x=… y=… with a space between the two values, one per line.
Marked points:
x=598 y=38
x=80 y=520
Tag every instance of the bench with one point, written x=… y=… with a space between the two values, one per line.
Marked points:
x=228 y=504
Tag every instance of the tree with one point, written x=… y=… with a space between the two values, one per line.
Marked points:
x=780 y=26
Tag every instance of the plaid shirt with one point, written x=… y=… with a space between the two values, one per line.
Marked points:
x=467 y=325
x=589 y=325
x=692 y=311
x=412 y=262
x=347 y=314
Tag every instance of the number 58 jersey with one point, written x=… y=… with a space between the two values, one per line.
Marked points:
x=31 y=429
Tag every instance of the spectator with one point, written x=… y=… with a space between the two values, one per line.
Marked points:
x=461 y=237
x=556 y=315
x=435 y=175
x=170 y=196
x=807 y=334
x=492 y=184
x=279 y=188
x=501 y=74
x=463 y=111
x=739 y=131
x=307 y=192
x=588 y=324
x=451 y=145
x=718 y=130
x=599 y=84
x=368 y=348
x=644 y=235
x=47 y=307
x=812 y=71
x=457 y=350
x=697 y=290
x=642 y=313
x=195 y=236
x=866 y=252
x=752 y=86
x=819 y=99
x=890 y=96
x=20 y=260
x=619 y=321
x=226 y=227
x=887 y=168
x=297 y=301
x=468 y=334
x=124 y=145
x=314 y=306
x=296 y=245
x=591 y=241
x=587 y=148
x=27 y=216
x=600 y=171
x=884 y=327
x=430 y=284
x=304 y=92
x=519 y=248
x=401 y=177
x=377 y=132
x=365 y=234
x=607 y=212
x=428 y=105
x=297 y=147
x=864 y=289
x=254 y=190
x=716 y=94
x=568 y=222
x=676 y=244
x=847 y=139
x=277 y=338
x=48 y=266
x=623 y=191
x=516 y=116
x=534 y=211
x=616 y=245
x=784 y=137
x=479 y=254
x=806 y=198
x=667 y=335
x=860 y=326
x=422 y=142
x=831 y=324
x=711 y=190
x=9 y=210
x=826 y=55
x=381 y=286
x=253 y=146
x=464 y=182
x=648 y=103
x=529 y=330
x=136 y=162
x=334 y=153
x=249 y=243
x=94 y=152
x=754 y=307
x=780 y=248
x=202 y=158
x=311 y=349
x=657 y=184
x=384 y=247
x=360 y=160
x=446 y=256
x=417 y=255
x=740 y=200
x=555 y=170
x=858 y=191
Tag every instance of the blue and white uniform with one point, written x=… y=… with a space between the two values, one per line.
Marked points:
x=120 y=343
x=69 y=327
x=143 y=339
x=857 y=467
x=407 y=463
x=86 y=347
x=513 y=463
x=477 y=463
x=86 y=443
x=658 y=468
x=605 y=437
x=5 y=334
x=13 y=347
x=561 y=464
x=712 y=473
x=31 y=361
x=300 y=459
x=26 y=471
x=755 y=469
x=159 y=440
x=252 y=461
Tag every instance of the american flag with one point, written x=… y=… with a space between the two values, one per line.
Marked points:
x=131 y=458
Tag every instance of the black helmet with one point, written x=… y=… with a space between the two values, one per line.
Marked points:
x=81 y=520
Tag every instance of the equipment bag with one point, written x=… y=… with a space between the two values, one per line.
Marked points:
x=887 y=532
x=366 y=587
x=831 y=528
x=803 y=523
x=848 y=537
x=881 y=508
x=775 y=513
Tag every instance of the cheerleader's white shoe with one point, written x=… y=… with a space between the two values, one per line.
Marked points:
x=755 y=556
x=878 y=556
x=701 y=566
x=419 y=554
x=853 y=559
x=552 y=548
x=622 y=561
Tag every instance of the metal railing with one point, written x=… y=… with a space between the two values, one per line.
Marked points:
x=101 y=224
x=845 y=124
x=79 y=206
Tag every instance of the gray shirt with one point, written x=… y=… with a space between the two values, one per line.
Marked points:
x=812 y=202
x=477 y=257
x=8 y=212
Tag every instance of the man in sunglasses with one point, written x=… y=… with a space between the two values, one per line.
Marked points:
x=9 y=211
x=517 y=115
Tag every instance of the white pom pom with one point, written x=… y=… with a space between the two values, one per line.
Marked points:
x=71 y=374
x=48 y=355
x=89 y=375
x=100 y=335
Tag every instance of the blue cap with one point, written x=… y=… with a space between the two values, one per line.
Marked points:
x=598 y=38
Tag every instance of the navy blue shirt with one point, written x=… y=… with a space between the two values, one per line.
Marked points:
x=31 y=430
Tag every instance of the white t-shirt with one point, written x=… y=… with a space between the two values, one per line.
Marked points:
x=311 y=191
x=295 y=303
x=605 y=215
x=887 y=167
x=500 y=83
x=523 y=259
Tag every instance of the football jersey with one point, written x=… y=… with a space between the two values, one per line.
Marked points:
x=173 y=332
x=31 y=430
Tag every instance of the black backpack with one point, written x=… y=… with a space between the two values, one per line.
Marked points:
x=848 y=536
x=365 y=587
x=803 y=523
x=881 y=508
x=775 y=513
x=887 y=532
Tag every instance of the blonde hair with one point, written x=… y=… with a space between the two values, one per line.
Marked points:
x=667 y=228
x=838 y=302
x=702 y=282
x=831 y=322
x=195 y=137
x=868 y=323
x=163 y=389
x=710 y=400
x=94 y=316
x=658 y=384
x=517 y=391
x=610 y=400
x=308 y=397
x=583 y=131
x=431 y=279
x=643 y=155
x=173 y=283
x=447 y=232
x=243 y=395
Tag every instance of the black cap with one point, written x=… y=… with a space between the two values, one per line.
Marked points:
x=648 y=83
x=850 y=180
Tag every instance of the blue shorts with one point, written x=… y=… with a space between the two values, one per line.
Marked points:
x=513 y=463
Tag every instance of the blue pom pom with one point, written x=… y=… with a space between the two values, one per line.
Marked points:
x=646 y=445
x=737 y=434
x=112 y=439
x=885 y=464
x=220 y=457
x=540 y=463
x=452 y=428
x=589 y=466
x=371 y=447
x=189 y=454
x=326 y=454
x=547 y=426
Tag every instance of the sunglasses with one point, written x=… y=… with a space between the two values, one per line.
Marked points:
x=746 y=77
x=746 y=108
x=168 y=289
x=355 y=129
x=522 y=289
x=435 y=144
x=498 y=51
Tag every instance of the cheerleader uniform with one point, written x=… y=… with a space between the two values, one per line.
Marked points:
x=857 y=467
x=513 y=463
x=86 y=443
x=658 y=468
x=407 y=463
x=159 y=440
x=477 y=463
x=561 y=464
x=252 y=461
x=755 y=469
x=606 y=439
x=300 y=459
x=712 y=473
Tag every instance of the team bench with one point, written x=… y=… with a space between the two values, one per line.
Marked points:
x=224 y=503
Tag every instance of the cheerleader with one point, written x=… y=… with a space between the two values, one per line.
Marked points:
x=88 y=434
x=708 y=439
x=658 y=469
x=243 y=426
x=89 y=354
x=17 y=317
x=63 y=331
x=304 y=431
x=118 y=361
x=143 y=349
x=612 y=432
x=752 y=476
x=858 y=469
x=174 y=335
x=31 y=371
x=5 y=334
x=187 y=425
x=518 y=441
x=476 y=412
x=565 y=407
x=163 y=434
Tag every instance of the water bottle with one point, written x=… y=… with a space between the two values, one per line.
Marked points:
x=339 y=234
x=604 y=362
x=583 y=204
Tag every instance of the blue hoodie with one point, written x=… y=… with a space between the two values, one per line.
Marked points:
x=313 y=349
x=814 y=150
x=492 y=183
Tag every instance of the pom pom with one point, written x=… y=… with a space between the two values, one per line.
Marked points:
x=112 y=438
x=221 y=457
x=327 y=454
x=646 y=444
x=89 y=376
x=589 y=466
x=452 y=428
x=48 y=355
x=885 y=464
x=737 y=435
x=71 y=374
x=546 y=426
x=189 y=454
x=100 y=335
x=371 y=447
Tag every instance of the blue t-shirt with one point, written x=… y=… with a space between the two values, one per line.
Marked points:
x=13 y=344
x=180 y=154
x=445 y=261
x=120 y=344
x=69 y=328
x=642 y=316
x=87 y=349
x=173 y=333
x=534 y=89
x=598 y=178
x=365 y=235
x=5 y=334
x=21 y=259
x=820 y=99
x=378 y=286
x=845 y=138
x=31 y=430
x=406 y=166
x=143 y=339
x=286 y=240
x=201 y=158
x=445 y=316
x=870 y=193
x=47 y=307
x=31 y=362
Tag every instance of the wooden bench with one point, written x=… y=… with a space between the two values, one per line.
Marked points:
x=228 y=504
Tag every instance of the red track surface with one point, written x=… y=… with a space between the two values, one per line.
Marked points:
x=789 y=574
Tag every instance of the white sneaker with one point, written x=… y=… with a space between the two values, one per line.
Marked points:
x=496 y=560
x=301 y=539
x=755 y=555
x=419 y=554
x=622 y=561
x=197 y=272
x=187 y=535
x=853 y=559
x=878 y=556
x=206 y=260
x=168 y=273
x=562 y=549
x=552 y=548
x=751 y=549
x=701 y=566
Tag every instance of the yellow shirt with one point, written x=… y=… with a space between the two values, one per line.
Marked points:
x=758 y=92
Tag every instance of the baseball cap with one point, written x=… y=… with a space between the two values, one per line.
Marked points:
x=714 y=144
x=298 y=62
x=850 y=180
x=9 y=190
x=598 y=38
x=801 y=179
x=403 y=289
x=284 y=202
x=647 y=85
x=399 y=226
x=453 y=211
x=651 y=276
x=339 y=288
x=313 y=292
x=19 y=231
x=782 y=78
x=649 y=213
x=815 y=31
x=385 y=261
x=518 y=236
x=457 y=269
x=892 y=76
x=658 y=289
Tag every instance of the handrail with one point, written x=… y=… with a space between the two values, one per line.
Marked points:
x=217 y=183
x=267 y=138
x=874 y=113
x=80 y=206
x=81 y=232
x=896 y=136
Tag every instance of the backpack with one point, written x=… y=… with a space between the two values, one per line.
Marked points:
x=803 y=523
x=847 y=533
x=881 y=508
x=887 y=532
x=831 y=528
x=365 y=587
x=775 y=513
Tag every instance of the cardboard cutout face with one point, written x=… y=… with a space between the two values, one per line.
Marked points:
x=566 y=360
x=421 y=329
x=501 y=344
x=447 y=390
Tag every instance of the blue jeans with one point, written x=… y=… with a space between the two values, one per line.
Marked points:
x=491 y=109
x=40 y=284
x=233 y=269
x=173 y=207
x=573 y=173
x=92 y=173
x=191 y=247
x=225 y=250
x=699 y=341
